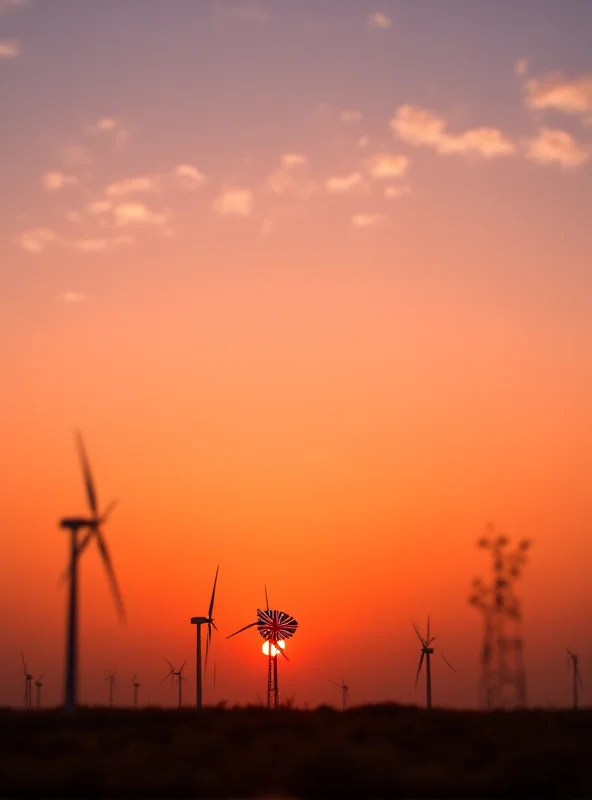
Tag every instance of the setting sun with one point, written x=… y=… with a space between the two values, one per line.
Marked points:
x=274 y=650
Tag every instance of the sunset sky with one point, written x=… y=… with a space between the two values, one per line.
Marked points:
x=314 y=280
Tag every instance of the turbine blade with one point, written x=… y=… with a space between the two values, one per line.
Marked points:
x=40 y=678
x=448 y=663
x=107 y=512
x=419 y=668
x=428 y=636
x=24 y=663
x=334 y=683
x=181 y=667
x=266 y=599
x=282 y=652
x=242 y=629
x=213 y=594
x=214 y=625
x=88 y=481
x=417 y=631
x=166 y=676
x=169 y=663
x=110 y=573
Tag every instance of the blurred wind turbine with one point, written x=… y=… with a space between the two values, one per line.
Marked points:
x=136 y=684
x=577 y=678
x=93 y=526
x=344 y=690
x=199 y=621
x=28 y=679
x=38 y=685
x=112 y=678
x=427 y=652
x=176 y=673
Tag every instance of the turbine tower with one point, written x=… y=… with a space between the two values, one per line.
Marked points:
x=274 y=627
x=136 y=684
x=92 y=524
x=198 y=622
x=577 y=678
x=38 y=685
x=427 y=652
x=28 y=679
x=112 y=678
x=503 y=674
x=176 y=673
x=344 y=690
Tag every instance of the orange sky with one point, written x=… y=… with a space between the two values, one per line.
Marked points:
x=330 y=408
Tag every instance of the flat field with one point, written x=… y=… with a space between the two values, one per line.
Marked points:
x=383 y=751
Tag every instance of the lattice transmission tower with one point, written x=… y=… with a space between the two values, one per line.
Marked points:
x=503 y=675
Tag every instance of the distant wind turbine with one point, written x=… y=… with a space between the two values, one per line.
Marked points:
x=28 y=679
x=112 y=678
x=38 y=685
x=136 y=684
x=345 y=691
x=93 y=526
x=198 y=622
x=427 y=652
x=176 y=673
x=577 y=678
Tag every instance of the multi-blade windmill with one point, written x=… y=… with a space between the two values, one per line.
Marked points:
x=38 y=685
x=28 y=679
x=199 y=621
x=136 y=684
x=176 y=673
x=427 y=652
x=92 y=524
x=344 y=690
x=275 y=627
x=577 y=678
x=112 y=678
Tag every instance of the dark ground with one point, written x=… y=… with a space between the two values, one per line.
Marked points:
x=384 y=751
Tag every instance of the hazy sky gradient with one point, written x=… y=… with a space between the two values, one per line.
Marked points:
x=313 y=278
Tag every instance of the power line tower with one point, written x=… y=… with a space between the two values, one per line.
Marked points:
x=503 y=675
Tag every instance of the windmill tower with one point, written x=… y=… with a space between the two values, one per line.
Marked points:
x=274 y=627
x=112 y=678
x=577 y=678
x=28 y=680
x=198 y=622
x=38 y=685
x=503 y=675
x=136 y=684
x=344 y=691
x=93 y=526
x=427 y=651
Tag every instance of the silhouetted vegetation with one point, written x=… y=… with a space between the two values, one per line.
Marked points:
x=382 y=751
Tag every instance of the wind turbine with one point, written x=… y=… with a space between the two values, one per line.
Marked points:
x=38 y=685
x=577 y=678
x=427 y=652
x=198 y=622
x=176 y=673
x=275 y=627
x=344 y=690
x=28 y=679
x=93 y=526
x=112 y=678
x=136 y=684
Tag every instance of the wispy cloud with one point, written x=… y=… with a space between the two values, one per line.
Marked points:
x=363 y=142
x=72 y=297
x=100 y=245
x=190 y=177
x=233 y=201
x=521 y=66
x=9 y=48
x=113 y=127
x=385 y=165
x=350 y=116
x=379 y=20
x=247 y=11
x=367 y=220
x=75 y=217
x=35 y=240
x=54 y=180
x=135 y=185
x=553 y=146
x=340 y=184
x=393 y=192
x=291 y=178
x=293 y=160
x=570 y=95
x=420 y=127
x=126 y=214
x=76 y=155
x=99 y=207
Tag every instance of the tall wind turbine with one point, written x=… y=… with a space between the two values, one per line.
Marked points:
x=28 y=679
x=92 y=524
x=198 y=622
x=176 y=673
x=112 y=678
x=136 y=684
x=427 y=652
x=38 y=685
x=577 y=678
x=344 y=690
x=275 y=627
